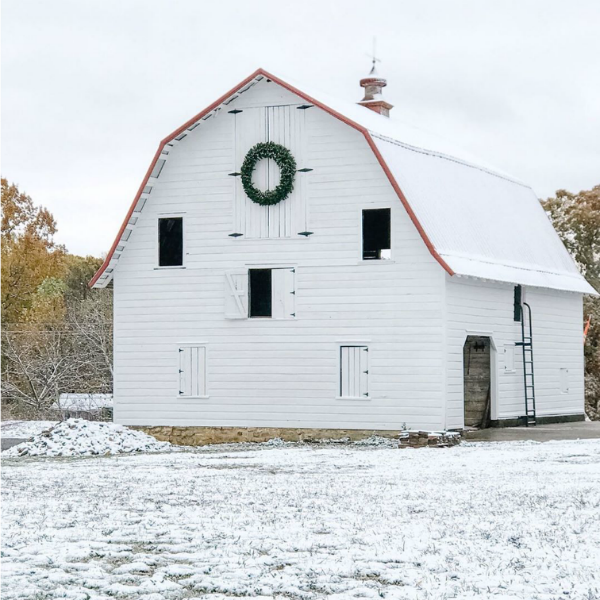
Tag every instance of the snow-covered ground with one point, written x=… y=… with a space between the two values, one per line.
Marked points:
x=507 y=520
x=24 y=429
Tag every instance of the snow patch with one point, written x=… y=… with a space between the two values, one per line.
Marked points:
x=24 y=429
x=78 y=437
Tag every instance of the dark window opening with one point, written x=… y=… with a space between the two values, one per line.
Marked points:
x=517 y=302
x=376 y=234
x=170 y=242
x=260 y=292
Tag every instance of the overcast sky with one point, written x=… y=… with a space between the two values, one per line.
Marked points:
x=90 y=87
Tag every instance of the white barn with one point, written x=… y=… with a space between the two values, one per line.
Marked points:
x=386 y=290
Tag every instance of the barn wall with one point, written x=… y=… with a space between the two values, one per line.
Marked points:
x=268 y=372
x=484 y=308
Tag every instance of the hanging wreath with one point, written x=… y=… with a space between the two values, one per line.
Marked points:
x=287 y=172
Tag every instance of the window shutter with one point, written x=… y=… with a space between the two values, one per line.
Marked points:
x=284 y=293
x=564 y=381
x=236 y=294
x=509 y=358
x=192 y=371
x=354 y=371
x=283 y=125
x=185 y=388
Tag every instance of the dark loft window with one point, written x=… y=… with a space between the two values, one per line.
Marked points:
x=517 y=303
x=376 y=234
x=170 y=242
x=260 y=292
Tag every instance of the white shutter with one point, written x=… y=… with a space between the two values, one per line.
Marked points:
x=284 y=293
x=509 y=358
x=236 y=294
x=564 y=381
x=283 y=125
x=192 y=371
x=354 y=371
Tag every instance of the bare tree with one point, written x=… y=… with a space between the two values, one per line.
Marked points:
x=41 y=360
x=91 y=321
x=40 y=364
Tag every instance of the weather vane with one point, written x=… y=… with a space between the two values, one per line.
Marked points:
x=373 y=56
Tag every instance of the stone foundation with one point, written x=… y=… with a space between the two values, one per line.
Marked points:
x=200 y=436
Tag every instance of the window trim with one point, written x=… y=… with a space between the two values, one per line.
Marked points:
x=172 y=215
x=339 y=346
x=204 y=345
x=375 y=206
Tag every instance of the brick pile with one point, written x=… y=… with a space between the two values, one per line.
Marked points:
x=422 y=439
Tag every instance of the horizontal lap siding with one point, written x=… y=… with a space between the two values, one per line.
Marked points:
x=558 y=344
x=279 y=373
x=487 y=309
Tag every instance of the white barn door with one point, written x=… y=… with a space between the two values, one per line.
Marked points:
x=282 y=125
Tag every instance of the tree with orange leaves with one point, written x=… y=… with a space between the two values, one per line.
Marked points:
x=29 y=254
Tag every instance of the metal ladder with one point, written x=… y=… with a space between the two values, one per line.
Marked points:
x=528 y=378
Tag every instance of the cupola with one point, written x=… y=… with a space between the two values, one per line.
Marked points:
x=373 y=85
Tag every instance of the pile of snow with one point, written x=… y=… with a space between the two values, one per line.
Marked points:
x=78 y=437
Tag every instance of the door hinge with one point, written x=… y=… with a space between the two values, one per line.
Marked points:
x=235 y=111
x=292 y=314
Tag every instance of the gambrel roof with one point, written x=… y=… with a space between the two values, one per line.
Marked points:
x=475 y=220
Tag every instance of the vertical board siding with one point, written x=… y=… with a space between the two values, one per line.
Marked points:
x=483 y=308
x=281 y=372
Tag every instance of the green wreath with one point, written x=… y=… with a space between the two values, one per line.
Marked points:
x=287 y=172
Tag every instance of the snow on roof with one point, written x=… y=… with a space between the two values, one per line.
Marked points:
x=475 y=220
x=481 y=223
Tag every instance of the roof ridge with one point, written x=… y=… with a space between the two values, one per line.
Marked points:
x=438 y=154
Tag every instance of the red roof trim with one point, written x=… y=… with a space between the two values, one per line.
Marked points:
x=307 y=98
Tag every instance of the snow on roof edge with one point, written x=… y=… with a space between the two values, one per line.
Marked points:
x=474 y=268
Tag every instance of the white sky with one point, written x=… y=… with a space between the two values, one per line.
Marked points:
x=90 y=87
